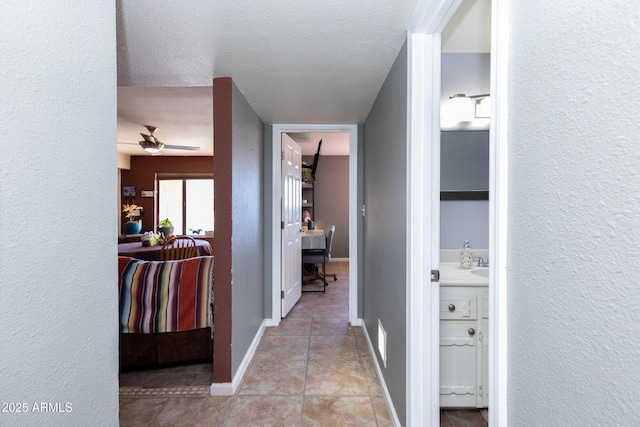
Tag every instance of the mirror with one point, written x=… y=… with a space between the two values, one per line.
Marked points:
x=464 y=165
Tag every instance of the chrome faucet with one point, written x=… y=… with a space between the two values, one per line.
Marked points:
x=482 y=262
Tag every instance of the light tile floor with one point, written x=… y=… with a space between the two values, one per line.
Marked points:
x=312 y=370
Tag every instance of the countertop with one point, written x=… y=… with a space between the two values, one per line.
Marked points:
x=452 y=275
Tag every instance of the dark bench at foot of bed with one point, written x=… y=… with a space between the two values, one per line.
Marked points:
x=148 y=350
x=165 y=311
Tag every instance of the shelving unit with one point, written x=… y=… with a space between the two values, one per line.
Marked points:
x=308 y=195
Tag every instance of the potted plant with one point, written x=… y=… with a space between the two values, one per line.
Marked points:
x=165 y=227
x=133 y=225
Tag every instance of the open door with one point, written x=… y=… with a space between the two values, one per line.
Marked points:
x=292 y=224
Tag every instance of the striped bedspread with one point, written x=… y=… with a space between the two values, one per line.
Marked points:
x=165 y=296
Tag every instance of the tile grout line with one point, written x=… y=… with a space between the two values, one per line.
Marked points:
x=231 y=408
x=306 y=369
x=158 y=413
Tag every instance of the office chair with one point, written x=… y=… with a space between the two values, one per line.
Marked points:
x=317 y=256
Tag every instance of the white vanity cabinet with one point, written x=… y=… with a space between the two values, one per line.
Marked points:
x=464 y=355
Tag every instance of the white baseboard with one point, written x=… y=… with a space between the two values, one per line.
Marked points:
x=228 y=389
x=270 y=322
x=222 y=389
x=339 y=259
x=387 y=397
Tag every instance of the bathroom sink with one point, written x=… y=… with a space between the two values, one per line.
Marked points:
x=482 y=272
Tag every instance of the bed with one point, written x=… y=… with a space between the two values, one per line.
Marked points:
x=165 y=311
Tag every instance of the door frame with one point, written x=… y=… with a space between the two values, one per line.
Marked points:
x=423 y=130
x=276 y=191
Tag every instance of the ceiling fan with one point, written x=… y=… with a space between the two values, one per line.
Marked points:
x=153 y=145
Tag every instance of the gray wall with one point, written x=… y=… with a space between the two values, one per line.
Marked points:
x=385 y=228
x=248 y=238
x=573 y=230
x=331 y=203
x=59 y=304
x=467 y=73
x=462 y=220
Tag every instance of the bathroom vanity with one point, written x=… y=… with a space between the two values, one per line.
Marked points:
x=464 y=325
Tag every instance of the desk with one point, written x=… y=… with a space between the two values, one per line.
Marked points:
x=152 y=253
x=314 y=239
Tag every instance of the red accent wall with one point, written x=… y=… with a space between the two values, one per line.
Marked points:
x=222 y=136
x=142 y=175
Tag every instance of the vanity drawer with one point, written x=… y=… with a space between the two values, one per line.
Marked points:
x=458 y=304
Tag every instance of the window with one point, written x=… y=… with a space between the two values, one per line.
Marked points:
x=188 y=203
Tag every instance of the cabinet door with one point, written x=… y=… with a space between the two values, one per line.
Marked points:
x=483 y=362
x=458 y=372
x=483 y=377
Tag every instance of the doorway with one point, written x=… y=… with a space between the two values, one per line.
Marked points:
x=276 y=261
x=424 y=47
x=464 y=214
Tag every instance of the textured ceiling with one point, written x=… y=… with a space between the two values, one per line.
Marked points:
x=315 y=62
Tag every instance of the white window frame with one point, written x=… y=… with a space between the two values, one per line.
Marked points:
x=183 y=178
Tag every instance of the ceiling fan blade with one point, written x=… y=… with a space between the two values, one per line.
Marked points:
x=127 y=143
x=153 y=145
x=182 y=147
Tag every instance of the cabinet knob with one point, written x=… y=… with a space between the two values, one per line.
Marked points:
x=471 y=331
x=452 y=307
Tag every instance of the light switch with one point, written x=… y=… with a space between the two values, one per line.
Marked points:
x=146 y=193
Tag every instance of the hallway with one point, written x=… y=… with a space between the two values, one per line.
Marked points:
x=312 y=370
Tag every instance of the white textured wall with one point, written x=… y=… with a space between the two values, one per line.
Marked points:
x=574 y=213
x=58 y=292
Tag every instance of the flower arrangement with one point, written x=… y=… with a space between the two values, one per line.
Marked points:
x=149 y=238
x=132 y=211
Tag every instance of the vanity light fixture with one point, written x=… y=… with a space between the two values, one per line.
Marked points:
x=482 y=106
x=470 y=106
x=459 y=108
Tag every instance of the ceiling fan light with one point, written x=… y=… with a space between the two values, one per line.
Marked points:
x=151 y=147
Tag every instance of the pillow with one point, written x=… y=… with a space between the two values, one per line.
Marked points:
x=164 y=296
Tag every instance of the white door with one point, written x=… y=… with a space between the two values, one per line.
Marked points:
x=292 y=224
